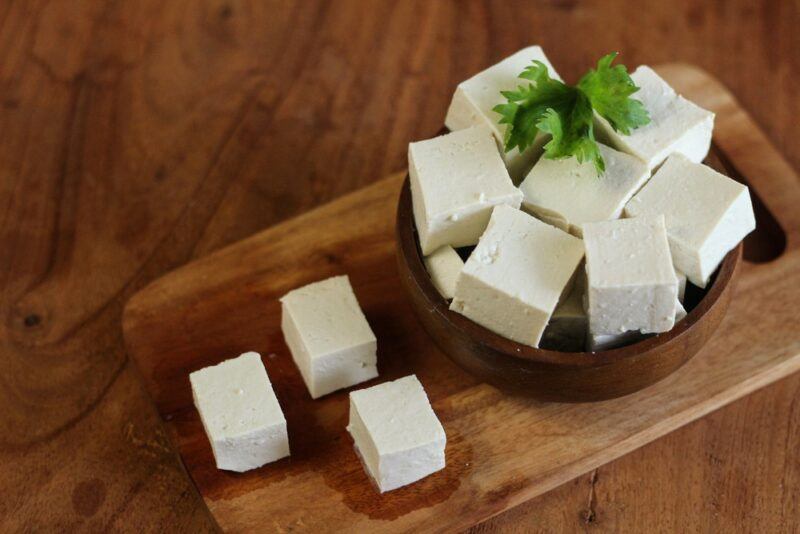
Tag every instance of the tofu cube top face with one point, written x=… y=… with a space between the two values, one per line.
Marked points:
x=396 y=432
x=567 y=194
x=240 y=413
x=328 y=336
x=474 y=99
x=676 y=124
x=630 y=278
x=444 y=266
x=707 y=214
x=327 y=316
x=235 y=397
x=456 y=180
x=482 y=91
x=514 y=278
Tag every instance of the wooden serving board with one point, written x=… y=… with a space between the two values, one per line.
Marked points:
x=501 y=449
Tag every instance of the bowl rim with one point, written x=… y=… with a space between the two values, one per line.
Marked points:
x=408 y=249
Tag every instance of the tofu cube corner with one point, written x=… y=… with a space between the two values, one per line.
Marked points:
x=396 y=433
x=444 y=266
x=328 y=335
x=240 y=413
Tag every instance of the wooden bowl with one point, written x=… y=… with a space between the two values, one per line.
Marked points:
x=548 y=374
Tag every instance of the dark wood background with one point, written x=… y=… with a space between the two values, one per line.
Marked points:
x=135 y=136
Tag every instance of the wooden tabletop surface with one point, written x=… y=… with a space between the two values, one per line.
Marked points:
x=136 y=136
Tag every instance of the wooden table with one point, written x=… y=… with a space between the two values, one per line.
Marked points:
x=136 y=136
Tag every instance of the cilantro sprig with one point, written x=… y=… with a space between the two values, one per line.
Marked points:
x=566 y=112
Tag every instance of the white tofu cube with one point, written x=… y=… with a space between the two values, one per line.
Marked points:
x=456 y=180
x=475 y=98
x=328 y=336
x=515 y=277
x=240 y=413
x=707 y=214
x=676 y=124
x=396 y=433
x=444 y=266
x=631 y=284
x=568 y=325
x=680 y=312
x=567 y=194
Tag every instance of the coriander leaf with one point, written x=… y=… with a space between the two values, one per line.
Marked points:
x=609 y=89
x=527 y=106
x=567 y=112
x=572 y=133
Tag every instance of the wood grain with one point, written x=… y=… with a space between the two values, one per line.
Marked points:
x=138 y=135
x=502 y=449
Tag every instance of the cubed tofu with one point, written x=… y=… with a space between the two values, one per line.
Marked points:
x=707 y=214
x=631 y=284
x=396 y=433
x=680 y=312
x=456 y=180
x=240 y=413
x=444 y=266
x=328 y=336
x=676 y=124
x=515 y=277
x=475 y=98
x=568 y=325
x=567 y=194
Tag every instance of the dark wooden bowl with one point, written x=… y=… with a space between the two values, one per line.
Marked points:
x=548 y=374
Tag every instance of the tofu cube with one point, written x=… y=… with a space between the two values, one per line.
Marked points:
x=707 y=214
x=456 y=180
x=567 y=194
x=680 y=312
x=676 y=124
x=631 y=284
x=444 y=266
x=328 y=336
x=475 y=98
x=516 y=276
x=240 y=413
x=396 y=433
x=568 y=325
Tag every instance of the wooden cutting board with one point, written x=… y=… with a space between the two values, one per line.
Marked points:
x=501 y=449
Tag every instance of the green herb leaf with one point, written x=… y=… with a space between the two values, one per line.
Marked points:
x=566 y=112
x=609 y=89
x=527 y=106
x=572 y=133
